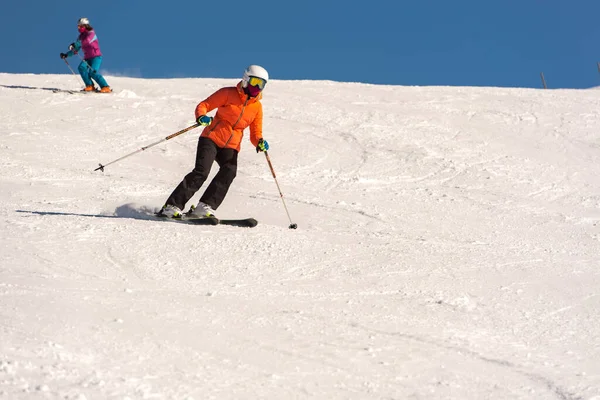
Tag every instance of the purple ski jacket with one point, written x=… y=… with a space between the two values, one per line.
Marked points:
x=88 y=42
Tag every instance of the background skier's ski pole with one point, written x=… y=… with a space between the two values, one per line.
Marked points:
x=73 y=72
x=69 y=65
x=292 y=225
x=189 y=128
x=86 y=63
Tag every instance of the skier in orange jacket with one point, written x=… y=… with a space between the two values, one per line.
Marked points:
x=238 y=107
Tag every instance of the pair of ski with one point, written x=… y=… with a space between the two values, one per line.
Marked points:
x=187 y=219
x=78 y=91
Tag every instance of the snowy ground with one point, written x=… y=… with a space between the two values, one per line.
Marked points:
x=448 y=246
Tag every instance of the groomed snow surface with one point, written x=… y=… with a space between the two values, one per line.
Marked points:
x=448 y=245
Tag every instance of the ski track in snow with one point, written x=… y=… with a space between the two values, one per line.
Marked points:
x=448 y=245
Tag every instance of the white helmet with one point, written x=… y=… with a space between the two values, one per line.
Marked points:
x=83 y=21
x=254 y=70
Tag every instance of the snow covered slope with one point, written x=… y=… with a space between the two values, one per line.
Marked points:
x=448 y=245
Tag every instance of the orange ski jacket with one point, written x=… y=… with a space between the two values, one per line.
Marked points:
x=235 y=112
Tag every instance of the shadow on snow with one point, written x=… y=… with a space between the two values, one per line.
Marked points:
x=36 y=88
x=125 y=211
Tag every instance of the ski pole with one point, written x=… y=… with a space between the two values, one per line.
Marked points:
x=69 y=65
x=292 y=225
x=73 y=72
x=86 y=63
x=189 y=128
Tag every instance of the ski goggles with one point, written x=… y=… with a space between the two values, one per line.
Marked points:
x=258 y=82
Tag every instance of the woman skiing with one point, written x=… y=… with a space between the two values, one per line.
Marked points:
x=90 y=65
x=238 y=107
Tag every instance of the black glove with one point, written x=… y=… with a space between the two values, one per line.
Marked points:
x=63 y=55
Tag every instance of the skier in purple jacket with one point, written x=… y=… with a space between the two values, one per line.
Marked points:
x=90 y=65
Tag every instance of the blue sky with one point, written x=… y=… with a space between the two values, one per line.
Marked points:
x=437 y=42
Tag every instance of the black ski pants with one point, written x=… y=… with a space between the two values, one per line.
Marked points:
x=207 y=153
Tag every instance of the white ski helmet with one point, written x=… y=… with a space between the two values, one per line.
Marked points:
x=83 y=21
x=256 y=71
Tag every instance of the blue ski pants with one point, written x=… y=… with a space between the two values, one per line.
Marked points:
x=90 y=69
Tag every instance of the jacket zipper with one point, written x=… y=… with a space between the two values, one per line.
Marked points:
x=236 y=122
